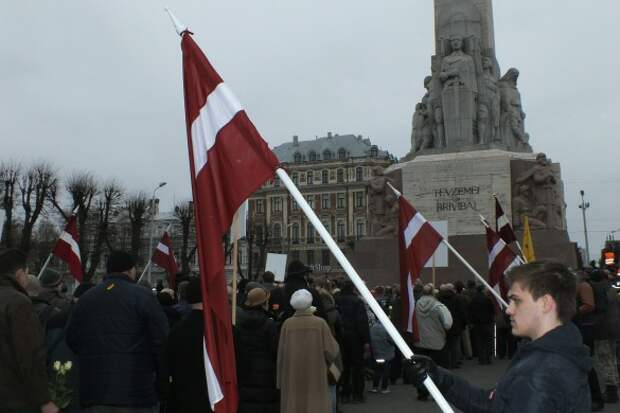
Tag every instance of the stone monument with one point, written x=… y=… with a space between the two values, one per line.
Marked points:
x=469 y=141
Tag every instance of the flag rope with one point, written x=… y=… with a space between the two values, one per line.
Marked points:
x=359 y=284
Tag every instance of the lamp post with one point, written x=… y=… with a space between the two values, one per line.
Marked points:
x=585 y=205
x=152 y=208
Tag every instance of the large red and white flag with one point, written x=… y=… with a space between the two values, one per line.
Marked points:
x=502 y=225
x=164 y=257
x=418 y=242
x=229 y=160
x=68 y=249
x=501 y=259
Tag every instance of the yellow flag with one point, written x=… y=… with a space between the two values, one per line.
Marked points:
x=528 y=244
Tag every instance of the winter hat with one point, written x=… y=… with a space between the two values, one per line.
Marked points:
x=301 y=300
x=256 y=297
x=120 y=261
x=296 y=269
x=194 y=294
x=50 y=278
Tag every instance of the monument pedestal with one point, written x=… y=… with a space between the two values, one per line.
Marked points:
x=376 y=260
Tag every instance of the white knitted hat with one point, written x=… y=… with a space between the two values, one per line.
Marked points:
x=301 y=300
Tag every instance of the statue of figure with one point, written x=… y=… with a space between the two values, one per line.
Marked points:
x=489 y=104
x=381 y=200
x=512 y=115
x=523 y=206
x=458 y=68
x=542 y=181
x=421 y=134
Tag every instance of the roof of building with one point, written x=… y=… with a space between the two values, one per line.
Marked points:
x=354 y=147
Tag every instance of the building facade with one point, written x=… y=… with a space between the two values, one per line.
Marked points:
x=332 y=173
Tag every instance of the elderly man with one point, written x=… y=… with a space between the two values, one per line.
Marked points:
x=550 y=372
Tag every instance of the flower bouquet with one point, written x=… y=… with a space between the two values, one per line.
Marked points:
x=60 y=391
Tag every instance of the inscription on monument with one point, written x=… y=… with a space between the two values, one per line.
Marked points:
x=457 y=198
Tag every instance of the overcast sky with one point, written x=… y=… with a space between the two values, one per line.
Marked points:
x=97 y=85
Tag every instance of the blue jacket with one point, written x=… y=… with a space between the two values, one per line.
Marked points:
x=547 y=375
x=117 y=329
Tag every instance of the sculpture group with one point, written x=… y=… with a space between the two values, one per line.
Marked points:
x=467 y=104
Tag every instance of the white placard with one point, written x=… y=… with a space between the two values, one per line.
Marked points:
x=441 y=255
x=276 y=263
x=2 y=219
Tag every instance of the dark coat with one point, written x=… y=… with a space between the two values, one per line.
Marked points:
x=282 y=297
x=481 y=309
x=548 y=375
x=117 y=329
x=458 y=310
x=184 y=385
x=256 y=348
x=354 y=318
x=23 y=381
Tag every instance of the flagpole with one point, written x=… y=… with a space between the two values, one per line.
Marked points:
x=359 y=284
x=47 y=261
x=434 y=275
x=234 y=283
x=146 y=267
x=516 y=240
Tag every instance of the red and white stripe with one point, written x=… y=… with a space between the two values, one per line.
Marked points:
x=418 y=242
x=164 y=257
x=68 y=249
x=502 y=225
x=229 y=161
x=501 y=259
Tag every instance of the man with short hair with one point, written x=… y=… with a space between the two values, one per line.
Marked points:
x=23 y=379
x=117 y=330
x=549 y=373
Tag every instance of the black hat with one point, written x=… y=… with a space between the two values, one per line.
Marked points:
x=50 y=278
x=296 y=269
x=194 y=294
x=120 y=261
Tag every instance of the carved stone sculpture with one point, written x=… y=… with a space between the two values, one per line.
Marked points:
x=522 y=206
x=488 y=105
x=381 y=205
x=512 y=115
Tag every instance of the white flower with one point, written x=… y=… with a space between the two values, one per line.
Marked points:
x=62 y=370
x=68 y=365
x=57 y=365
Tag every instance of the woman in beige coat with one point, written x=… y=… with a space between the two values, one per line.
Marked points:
x=306 y=350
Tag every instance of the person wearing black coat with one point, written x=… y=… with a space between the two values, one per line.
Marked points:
x=256 y=348
x=182 y=378
x=296 y=279
x=482 y=313
x=448 y=297
x=356 y=343
x=117 y=329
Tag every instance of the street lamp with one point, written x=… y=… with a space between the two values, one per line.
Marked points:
x=585 y=205
x=152 y=208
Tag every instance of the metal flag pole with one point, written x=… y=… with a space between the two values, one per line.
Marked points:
x=49 y=257
x=359 y=284
x=147 y=267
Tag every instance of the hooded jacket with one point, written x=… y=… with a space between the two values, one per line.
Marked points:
x=547 y=375
x=434 y=319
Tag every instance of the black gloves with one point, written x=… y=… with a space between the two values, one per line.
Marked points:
x=419 y=367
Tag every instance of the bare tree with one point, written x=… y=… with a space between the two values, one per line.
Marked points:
x=34 y=187
x=184 y=211
x=137 y=205
x=106 y=203
x=9 y=176
x=43 y=241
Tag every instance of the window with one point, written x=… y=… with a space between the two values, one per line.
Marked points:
x=327 y=155
x=295 y=178
x=359 y=174
x=295 y=255
x=359 y=199
x=297 y=157
x=341 y=203
x=277 y=232
x=374 y=151
x=310 y=200
x=324 y=177
x=360 y=229
x=295 y=233
x=260 y=206
x=312 y=156
x=325 y=201
x=276 y=204
x=310 y=234
x=342 y=154
x=259 y=234
x=310 y=257
x=325 y=223
x=294 y=205
x=340 y=232
x=340 y=176
x=276 y=182
x=325 y=256
x=310 y=178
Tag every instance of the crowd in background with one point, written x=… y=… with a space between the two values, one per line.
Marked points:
x=134 y=348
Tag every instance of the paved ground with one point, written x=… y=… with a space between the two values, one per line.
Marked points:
x=403 y=398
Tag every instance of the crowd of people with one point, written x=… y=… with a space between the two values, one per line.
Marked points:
x=304 y=345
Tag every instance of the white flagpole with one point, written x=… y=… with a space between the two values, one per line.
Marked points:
x=149 y=264
x=359 y=284
x=47 y=261
x=234 y=282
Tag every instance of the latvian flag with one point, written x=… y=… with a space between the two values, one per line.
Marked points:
x=229 y=161
x=68 y=249
x=501 y=259
x=418 y=242
x=164 y=257
x=502 y=225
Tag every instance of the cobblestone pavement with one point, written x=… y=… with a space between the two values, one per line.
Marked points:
x=404 y=398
